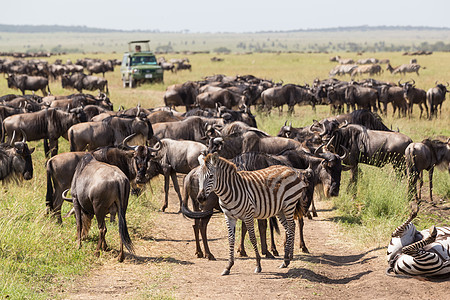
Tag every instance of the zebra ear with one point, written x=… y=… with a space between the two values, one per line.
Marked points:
x=201 y=159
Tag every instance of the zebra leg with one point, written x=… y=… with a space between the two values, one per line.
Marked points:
x=231 y=224
x=302 y=241
x=289 y=226
x=241 y=248
x=416 y=249
x=249 y=222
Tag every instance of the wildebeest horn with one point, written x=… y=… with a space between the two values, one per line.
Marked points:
x=447 y=83
x=318 y=149
x=414 y=82
x=399 y=84
x=330 y=141
x=12 y=138
x=345 y=153
x=157 y=145
x=24 y=136
x=285 y=123
x=138 y=110
x=344 y=125
x=290 y=125
x=64 y=196
x=125 y=142
x=218 y=140
x=448 y=141
x=436 y=82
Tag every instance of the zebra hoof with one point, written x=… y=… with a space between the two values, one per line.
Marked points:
x=225 y=272
x=258 y=269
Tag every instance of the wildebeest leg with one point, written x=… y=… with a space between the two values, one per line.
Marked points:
x=420 y=183
x=46 y=148
x=426 y=109
x=53 y=147
x=421 y=111
x=273 y=247
x=351 y=188
x=173 y=175
x=166 y=190
x=231 y=224
x=430 y=176
x=77 y=208
x=203 y=228
x=101 y=235
x=198 y=249
x=302 y=241
x=241 y=248
x=251 y=233
x=262 y=227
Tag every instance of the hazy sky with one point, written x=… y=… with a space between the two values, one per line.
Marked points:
x=225 y=16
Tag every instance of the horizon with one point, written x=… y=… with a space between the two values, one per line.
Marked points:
x=200 y=16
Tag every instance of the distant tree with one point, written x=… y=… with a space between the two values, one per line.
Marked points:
x=222 y=50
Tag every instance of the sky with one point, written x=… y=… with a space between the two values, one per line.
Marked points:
x=225 y=16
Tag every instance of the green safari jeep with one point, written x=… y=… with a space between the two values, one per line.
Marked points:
x=140 y=66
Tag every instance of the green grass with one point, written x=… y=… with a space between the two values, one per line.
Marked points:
x=39 y=257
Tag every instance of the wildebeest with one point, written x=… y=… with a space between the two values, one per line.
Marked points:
x=81 y=81
x=15 y=161
x=435 y=98
x=170 y=157
x=403 y=69
x=48 y=124
x=28 y=83
x=394 y=95
x=367 y=146
x=181 y=95
x=288 y=94
x=60 y=169
x=109 y=132
x=96 y=188
x=413 y=96
x=100 y=67
x=425 y=156
x=364 y=97
x=192 y=128
x=224 y=97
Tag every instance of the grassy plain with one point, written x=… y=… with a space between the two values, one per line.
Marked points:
x=37 y=256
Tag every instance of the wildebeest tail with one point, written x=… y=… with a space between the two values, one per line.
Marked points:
x=274 y=224
x=195 y=214
x=124 y=193
x=49 y=195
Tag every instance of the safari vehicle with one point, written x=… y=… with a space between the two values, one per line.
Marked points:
x=139 y=65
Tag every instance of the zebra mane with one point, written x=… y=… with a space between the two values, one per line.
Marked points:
x=214 y=160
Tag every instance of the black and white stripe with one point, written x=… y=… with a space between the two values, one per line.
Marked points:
x=249 y=195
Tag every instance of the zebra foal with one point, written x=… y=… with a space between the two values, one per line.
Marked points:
x=249 y=195
x=419 y=253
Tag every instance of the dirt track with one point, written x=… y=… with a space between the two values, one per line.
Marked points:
x=166 y=267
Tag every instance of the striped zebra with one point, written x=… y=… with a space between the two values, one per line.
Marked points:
x=249 y=195
x=424 y=253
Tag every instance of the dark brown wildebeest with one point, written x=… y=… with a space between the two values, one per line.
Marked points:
x=60 y=169
x=192 y=129
x=96 y=189
x=372 y=147
x=170 y=157
x=109 y=132
x=28 y=83
x=181 y=95
x=394 y=95
x=48 y=124
x=82 y=100
x=15 y=161
x=363 y=97
x=425 y=156
x=413 y=96
x=289 y=94
x=81 y=81
x=435 y=98
x=223 y=97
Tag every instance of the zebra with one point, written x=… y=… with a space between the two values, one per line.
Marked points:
x=249 y=195
x=414 y=253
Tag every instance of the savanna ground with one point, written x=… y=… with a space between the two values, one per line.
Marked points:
x=347 y=242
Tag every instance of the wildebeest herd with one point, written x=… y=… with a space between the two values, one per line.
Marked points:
x=229 y=162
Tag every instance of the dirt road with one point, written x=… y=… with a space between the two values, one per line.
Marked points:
x=165 y=267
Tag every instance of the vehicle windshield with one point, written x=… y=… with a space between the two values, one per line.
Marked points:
x=143 y=60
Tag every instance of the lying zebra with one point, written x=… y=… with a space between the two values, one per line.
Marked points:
x=414 y=253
